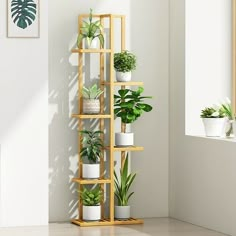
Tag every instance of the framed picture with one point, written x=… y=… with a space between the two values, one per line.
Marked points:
x=23 y=18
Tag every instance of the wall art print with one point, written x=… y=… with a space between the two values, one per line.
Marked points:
x=23 y=18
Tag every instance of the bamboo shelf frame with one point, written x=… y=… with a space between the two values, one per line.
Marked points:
x=110 y=85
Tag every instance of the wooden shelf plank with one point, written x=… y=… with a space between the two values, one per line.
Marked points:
x=76 y=50
x=91 y=181
x=92 y=223
x=99 y=116
x=128 y=148
x=131 y=83
x=131 y=221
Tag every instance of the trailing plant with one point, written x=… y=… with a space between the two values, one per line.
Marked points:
x=92 y=145
x=124 y=61
x=123 y=184
x=23 y=13
x=92 y=92
x=91 y=197
x=91 y=30
x=210 y=112
x=129 y=105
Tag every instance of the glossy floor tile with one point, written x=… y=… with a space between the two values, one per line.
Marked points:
x=151 y=227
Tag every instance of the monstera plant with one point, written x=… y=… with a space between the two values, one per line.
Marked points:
x=23 y=12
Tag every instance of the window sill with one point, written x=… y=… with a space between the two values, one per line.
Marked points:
x=213 y=138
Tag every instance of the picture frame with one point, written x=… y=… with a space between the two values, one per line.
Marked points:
x=23 y=18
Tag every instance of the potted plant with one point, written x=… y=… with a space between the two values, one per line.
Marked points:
x=129 y=106
x=227 y=109
x=91 y=102
x=91 y=204
x=214 y=121
x=124 y=63
x=91 y=31
x=122 y=186
x=91 y=152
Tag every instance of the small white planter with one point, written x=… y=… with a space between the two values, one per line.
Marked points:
x=122 y=212
x=93 y=45
x=91 y=171
x=123 y=76
x=91 y=213
x=124 y=139
x=91 y=106
x=214 y=127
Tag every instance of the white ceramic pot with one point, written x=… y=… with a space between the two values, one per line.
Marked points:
x=124 y=139
x=91 y=171
x=122 y=212
x=123 y=76
x=214 y=127
x=234 y=127
x=91 y=213
x=91 y=106
x=93 y=45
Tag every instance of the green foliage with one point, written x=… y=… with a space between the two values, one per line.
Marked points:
x=92 y=145
x=122 y=186
x=129 y=105
x=23 y=12
x=124 y=61
x=91 y=197
x=210 y=112
x=92 y=92
x=90 y=31
x=227 y=109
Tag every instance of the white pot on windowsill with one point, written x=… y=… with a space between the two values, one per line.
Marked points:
x=214 y=127
x=122 y=212
x=91 y=213
x=91 y=171
x=123 y=76
x=124 y=139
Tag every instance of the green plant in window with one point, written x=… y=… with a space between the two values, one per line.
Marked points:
x=210 y=112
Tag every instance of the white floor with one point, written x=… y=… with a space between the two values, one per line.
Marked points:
x=151 y=227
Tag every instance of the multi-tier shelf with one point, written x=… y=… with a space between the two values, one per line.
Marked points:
x=111 y=149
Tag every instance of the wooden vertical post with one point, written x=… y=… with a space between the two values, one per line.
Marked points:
x=112 y=118
x=80 y=109
x=102 y=124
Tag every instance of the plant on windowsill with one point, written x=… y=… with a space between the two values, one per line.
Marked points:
x=91 y=102
x=214 y=120
x=129 y=106
x=91 y=203
x=91 y=152
x=122 y=186
x=91 y=31
x=124 y=64
x=227 y=108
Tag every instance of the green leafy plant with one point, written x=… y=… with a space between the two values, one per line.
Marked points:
x=92 y=145
x=92 y=92
x=91 y=197
x=129 y=105
x=90 y=31
x=210 y=112
x=23 y=12
x=122 y=186
x=227 y=109
x=124 y=61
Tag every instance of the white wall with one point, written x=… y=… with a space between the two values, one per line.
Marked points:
x=208 y=58
x=202 y=173
x=24 y=126
x=152 y=53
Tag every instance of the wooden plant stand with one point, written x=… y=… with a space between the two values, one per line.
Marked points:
x=109 y=85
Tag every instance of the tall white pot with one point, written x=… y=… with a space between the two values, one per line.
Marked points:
x=91 y=171
x=122 y=212
x=124 y=139
x=214 y=127
x=123 y=76
x=91 y=213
